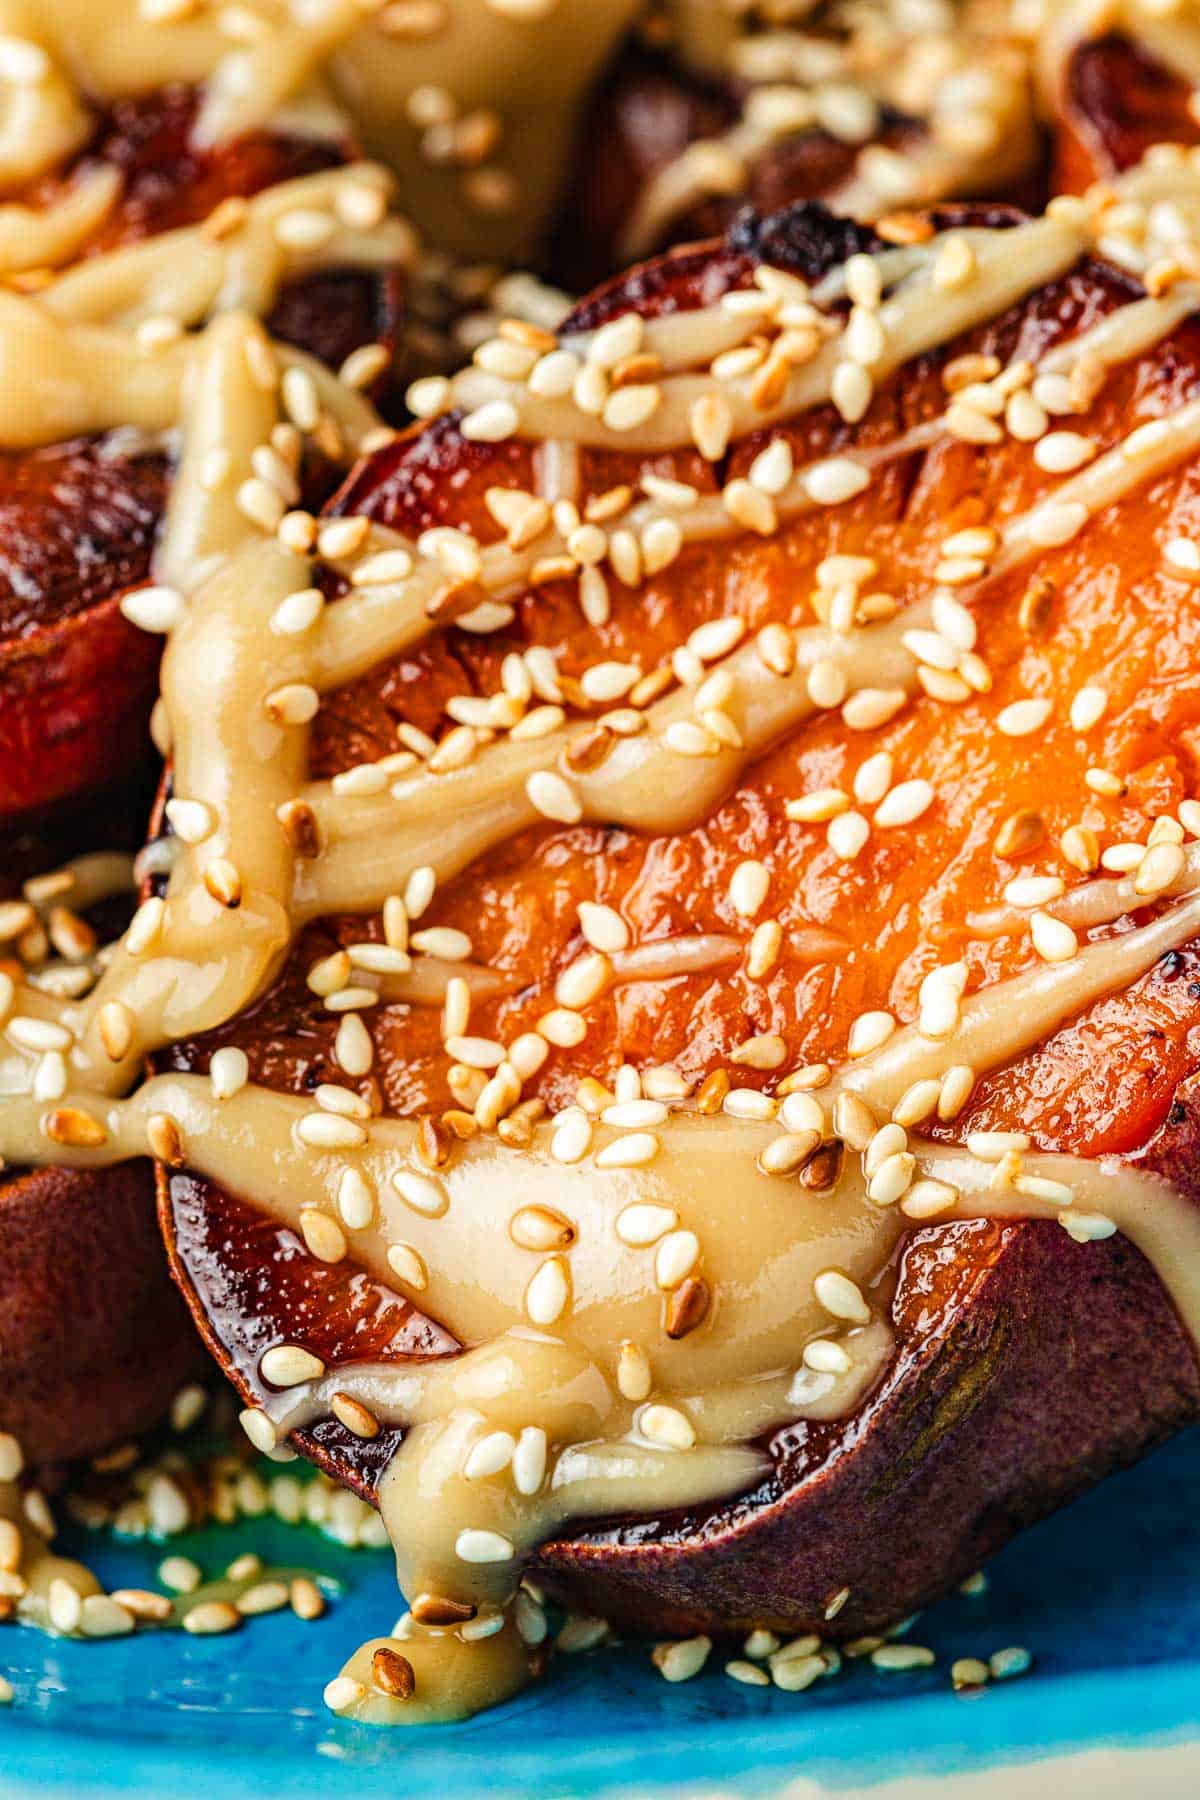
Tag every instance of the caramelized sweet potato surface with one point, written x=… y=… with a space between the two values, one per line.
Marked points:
x=1012 y=1383
x=641 y=119
x=78 y=521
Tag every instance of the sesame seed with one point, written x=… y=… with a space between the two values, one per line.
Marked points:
x=529 y=1460
x=682 y=1660
x=153 y=609
x=898 y=1658
x=836 y=480
x=1023 y=717
x=630 y=1152
x=904 y=804
x=748 y=1673
x=327 y=1131
x=868 y=1032
x=841 y=1297
x=290 y=1365
x=191 y=820
x=342 y=1693
x=1053 y=940
x=474 y=1546
x=666 y=1426
x=423 y=1193
x=847 y=835
x=1159 y=869
x=676 y=1258
x=407 y=1264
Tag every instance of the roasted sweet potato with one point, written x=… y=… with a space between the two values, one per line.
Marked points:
x=94 y=1341
x=79 y=520
x=651 y=107
x=1116 y=100
x=1026 y=1365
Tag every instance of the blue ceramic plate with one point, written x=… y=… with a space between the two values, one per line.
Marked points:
x=1105 y=1595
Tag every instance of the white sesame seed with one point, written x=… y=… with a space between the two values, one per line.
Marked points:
x=327 y=1131
x=228 y=1071
x=553 y=797
x=666 y=1426
x=1023 y=717
x=423 y=1193
x=1056 y=523
x=630 y=1152
x=153 y=609
x=191 y=820
x=443 y=941
x=826 y=1357
x=1087 y=1228
x=904 y=803
x=489 y=1455
x=572 y=1136
x=834 y=481
x=474 y=1546
x=491 y=423
x=642 y=1224
x=841 y=1297
x=675 y=1258
x=892 y=1179
x=847 y=835
x=1159 y=869
x=748 y=888
x=1053 y=940
x=407 y=1265
x=290 y=1365
x=869 y=1031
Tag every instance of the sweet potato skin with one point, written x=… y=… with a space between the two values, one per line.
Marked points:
x=1026 y=1366
x=641 y=119
x=94 y=1340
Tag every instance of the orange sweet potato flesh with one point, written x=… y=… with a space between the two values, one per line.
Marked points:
x=1117 y=100
x=78 y=523
x=1026 y=1365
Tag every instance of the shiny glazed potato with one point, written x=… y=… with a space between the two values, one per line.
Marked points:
x=78 y=521
x=1025 y=1365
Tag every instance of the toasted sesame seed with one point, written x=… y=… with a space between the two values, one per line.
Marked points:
x=290 y=1365
x=841 y=1297
x=904 y=804
x=475 y=1546
x=897 y=1658
x=1053 y=940
x=211 y=1618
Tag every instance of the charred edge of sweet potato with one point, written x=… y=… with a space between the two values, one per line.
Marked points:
x=1116 y=101
x=967 y=1391
x=94 y=1340
x=645 y=114
x=997 y=1410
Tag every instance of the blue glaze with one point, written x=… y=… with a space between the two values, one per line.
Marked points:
x=1105 y=1595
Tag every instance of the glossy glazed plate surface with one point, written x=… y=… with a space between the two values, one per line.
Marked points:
x=1106 y=1596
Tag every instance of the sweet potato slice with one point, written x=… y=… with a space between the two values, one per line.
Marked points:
x=94 y=1341
x=651 y=108
x=1116 y=100
x=1026 y=1365
x=79 y=520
